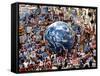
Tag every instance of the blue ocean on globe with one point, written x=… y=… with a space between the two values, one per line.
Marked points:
x=59 y=35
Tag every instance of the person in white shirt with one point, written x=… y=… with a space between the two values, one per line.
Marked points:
x=25 y=64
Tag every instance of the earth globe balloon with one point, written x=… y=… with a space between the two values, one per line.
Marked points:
x=59 y=35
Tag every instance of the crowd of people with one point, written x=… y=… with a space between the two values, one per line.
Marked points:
x=34 y=52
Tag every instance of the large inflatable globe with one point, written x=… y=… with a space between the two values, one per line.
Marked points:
x=59 y=35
